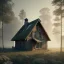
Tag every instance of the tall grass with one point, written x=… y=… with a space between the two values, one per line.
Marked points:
x=34 y=57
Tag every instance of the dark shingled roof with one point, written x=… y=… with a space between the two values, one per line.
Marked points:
x=25 y=30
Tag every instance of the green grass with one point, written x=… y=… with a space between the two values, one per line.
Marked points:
x=35 y=57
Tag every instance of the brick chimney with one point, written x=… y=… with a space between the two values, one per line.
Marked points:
x=25 y=21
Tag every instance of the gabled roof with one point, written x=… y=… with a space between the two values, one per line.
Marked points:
x=25 y=30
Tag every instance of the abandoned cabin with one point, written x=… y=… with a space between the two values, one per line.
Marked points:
x=32 y=35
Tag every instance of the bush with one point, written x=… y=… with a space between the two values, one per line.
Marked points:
x=39 y=61
x=5 y=60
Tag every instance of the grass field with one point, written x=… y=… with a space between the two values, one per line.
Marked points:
x=38 y=51
x=51 y=56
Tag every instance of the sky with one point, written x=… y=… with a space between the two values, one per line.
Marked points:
x=32 y=8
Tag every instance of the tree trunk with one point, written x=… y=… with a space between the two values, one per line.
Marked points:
x=61 y=28
x=2 y=38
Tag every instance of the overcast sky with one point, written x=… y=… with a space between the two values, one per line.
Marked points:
x=32 y=8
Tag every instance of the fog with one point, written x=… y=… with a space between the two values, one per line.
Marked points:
x=32 y=8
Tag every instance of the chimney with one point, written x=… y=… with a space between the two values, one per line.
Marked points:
x=25 y=21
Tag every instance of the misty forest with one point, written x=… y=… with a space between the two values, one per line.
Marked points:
x=31 y=32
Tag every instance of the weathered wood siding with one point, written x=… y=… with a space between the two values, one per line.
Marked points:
x=20 y=45
x=30 y=44
x=43 y=44
x=25 y=45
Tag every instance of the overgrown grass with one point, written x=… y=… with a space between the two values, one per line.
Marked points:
x=54 y=58
x=35 y=57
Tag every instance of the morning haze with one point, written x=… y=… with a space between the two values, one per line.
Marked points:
x=32 y=8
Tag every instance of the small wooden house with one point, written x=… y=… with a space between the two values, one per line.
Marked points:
x=31 y=36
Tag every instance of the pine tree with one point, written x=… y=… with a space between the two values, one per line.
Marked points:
x=59 y=12
x=22 y=15
x=6 y=14
x=46 y=18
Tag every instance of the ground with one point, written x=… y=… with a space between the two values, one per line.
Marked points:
x=51 y=56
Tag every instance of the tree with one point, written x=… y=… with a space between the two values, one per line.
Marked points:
x=6 y=13
x=45 y=13
x=46 y=18
x=22 y=15
x=59 y=12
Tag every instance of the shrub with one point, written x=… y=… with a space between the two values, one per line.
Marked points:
x=39 y=61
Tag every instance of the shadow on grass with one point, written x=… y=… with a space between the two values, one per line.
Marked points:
x=9 y=50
